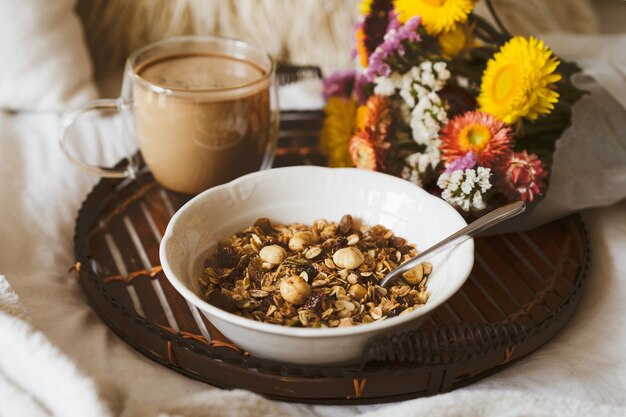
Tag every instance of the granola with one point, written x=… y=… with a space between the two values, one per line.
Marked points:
x=323 y=275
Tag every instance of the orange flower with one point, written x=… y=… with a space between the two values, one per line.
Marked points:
x=363 y=151
x=378 y=117
x=361 y=49
x=489 y=139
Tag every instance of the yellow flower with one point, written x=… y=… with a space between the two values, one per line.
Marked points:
x=519 y=81
x=365 y=6
x=437 y=15
x=336 y=131
x=453 y=42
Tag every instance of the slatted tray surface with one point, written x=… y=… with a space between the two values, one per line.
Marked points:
x=522 y=290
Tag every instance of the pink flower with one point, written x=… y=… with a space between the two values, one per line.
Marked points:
x=339 y=84
x=392 y=44
x=467 y=162
x=522 y=176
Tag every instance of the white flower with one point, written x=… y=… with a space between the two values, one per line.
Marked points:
x=419 y=81
x=455 y=180
x=441 y=68
x=434 y=76
x=422 y=161
x=464 y=188
x=384 y=86
x=463 y=82
x=427 y=118
x=483 y=178
x=470 y=180
x=477 y=202
x=407 y=95
x=426 y=66
x=411 y=175
x=387 y=86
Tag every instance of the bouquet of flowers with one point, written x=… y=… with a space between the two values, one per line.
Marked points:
x=444 y=100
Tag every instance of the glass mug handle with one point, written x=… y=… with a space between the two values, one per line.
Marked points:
x=67 y=120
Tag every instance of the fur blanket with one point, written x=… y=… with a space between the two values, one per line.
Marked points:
x=298 y=31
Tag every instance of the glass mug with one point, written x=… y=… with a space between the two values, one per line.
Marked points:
x=204 y=111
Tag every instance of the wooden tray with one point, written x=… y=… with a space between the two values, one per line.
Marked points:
x=522 y=290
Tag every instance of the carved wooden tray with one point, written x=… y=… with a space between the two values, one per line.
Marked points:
x=522 y=290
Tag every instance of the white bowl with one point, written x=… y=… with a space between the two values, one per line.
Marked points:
x=304 y=194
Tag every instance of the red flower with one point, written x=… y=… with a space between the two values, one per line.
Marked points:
x=474 y=131
x=375 y=24
x=522 y=176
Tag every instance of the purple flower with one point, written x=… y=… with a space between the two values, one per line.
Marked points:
x=394 y=23
x=392 y=43
x=338 y=84
x=377 y=66
x=359 y=84
x=467 y=162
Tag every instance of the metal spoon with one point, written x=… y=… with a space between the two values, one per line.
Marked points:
x=488 y=220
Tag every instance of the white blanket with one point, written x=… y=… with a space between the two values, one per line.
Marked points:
x=64 y=361
x=581 y=372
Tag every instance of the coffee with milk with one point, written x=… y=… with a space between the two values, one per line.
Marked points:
x=213 y=128
x=203 y=110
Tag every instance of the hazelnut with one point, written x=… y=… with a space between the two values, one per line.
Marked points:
x=414 y=276
x=349 y=258
x=273 y=254
x=301 y=240
x=294 y=290
x=357 y=291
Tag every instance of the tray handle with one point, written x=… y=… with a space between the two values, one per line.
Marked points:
x=444 y=344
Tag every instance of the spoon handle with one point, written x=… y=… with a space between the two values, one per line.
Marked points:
x=490 y=219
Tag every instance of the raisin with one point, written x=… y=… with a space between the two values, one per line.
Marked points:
x=380 y=243
x=265 y=303
x=397 y=242
x=237 y=272
x=406 y=301
x=404 y=249
x=396 y=311
x=371 y=279
x=340 y=242
x=255 y=270
x=309 y=269
x=221 y=301
x=345 y=225
x=225 y=256
x=314 y=302
x=265 y=225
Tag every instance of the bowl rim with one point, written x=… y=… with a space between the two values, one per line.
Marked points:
x=306 y=332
